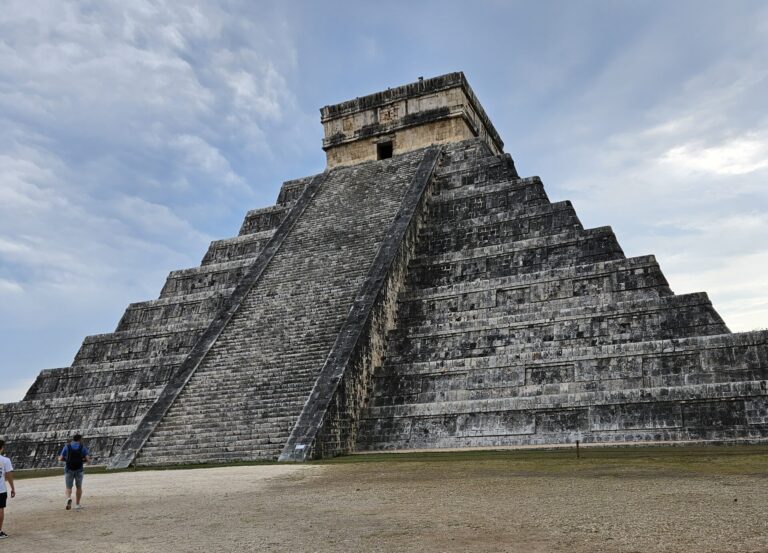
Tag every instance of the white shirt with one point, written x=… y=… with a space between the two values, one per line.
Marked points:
x=5 y=468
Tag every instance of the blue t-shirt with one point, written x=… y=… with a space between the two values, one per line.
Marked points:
x=74 y=446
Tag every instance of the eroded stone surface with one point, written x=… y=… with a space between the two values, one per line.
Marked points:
x=519 y=326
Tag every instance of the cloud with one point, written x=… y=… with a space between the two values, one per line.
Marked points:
x=737 y=156
x=205 y=158
x=9 y=287
x=132 y=135
x=667 y=146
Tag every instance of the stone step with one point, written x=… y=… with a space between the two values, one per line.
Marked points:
x=259 y=401
x=76 y=400
x=235 y=442
x=526 y=256
x=263 y=219
x=248 y=421
x=748 y=351
x=78 y=412
x=477 y=308
x=120 y=375
x=513 y=197
x=216 y=455
x=717 y=391
x=489 y=230
x=246 y=246
x=565 y=427
x=537 y=299
x=291 y=190
x=478 y=172
x=235 y=388
x=724 y=358
x=215 y=276
x=172 y=309
x=142 y=343
x=41 y=449
x=102 y=382
x=263 y=407
x=621 y=275
x=533 y=339
x=503 y=318
x=463 y=155
x=279 y=424
x=490 y=384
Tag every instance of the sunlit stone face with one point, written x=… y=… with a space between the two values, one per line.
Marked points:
x=434 y=111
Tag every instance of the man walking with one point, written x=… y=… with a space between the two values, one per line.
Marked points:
x=6 y=473
x=74 y=455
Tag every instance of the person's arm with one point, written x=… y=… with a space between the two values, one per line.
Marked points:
x=87 y=456
x=9 y=478
x=63 y=459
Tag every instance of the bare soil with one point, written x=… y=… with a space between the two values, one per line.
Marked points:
x=638 y=501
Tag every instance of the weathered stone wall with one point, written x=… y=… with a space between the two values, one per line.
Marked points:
x=433 y=111
x=446 y=131
x=519 y=326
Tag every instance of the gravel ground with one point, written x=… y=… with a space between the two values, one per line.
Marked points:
x=473 y=505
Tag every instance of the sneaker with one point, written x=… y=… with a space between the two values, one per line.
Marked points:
x=78 y=507
x=3 y=535
x=69 y=504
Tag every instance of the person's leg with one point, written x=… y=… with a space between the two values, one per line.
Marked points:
x=79 y=483
x=69 y=478
x=3 y=499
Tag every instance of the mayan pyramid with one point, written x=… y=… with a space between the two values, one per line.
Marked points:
x=418 y=293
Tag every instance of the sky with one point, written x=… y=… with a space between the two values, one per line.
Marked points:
x=134 y=133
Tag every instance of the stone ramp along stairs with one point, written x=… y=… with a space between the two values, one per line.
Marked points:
x=518 y=326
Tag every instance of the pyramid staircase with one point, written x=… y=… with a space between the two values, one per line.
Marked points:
x=244 y=399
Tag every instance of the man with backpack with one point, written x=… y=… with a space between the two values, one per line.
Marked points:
x=74 y=455
x=6 y=473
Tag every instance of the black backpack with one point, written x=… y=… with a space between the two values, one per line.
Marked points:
x=75 y=457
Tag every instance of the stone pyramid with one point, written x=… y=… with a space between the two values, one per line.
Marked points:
x=417 y=294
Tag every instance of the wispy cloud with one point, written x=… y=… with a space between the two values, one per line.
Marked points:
x=120 y=122
x=666 y=140
x=737 y=156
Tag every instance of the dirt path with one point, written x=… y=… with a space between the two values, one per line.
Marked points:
x=473 y=506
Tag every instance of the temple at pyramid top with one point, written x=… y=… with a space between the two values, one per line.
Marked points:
x=398 y=120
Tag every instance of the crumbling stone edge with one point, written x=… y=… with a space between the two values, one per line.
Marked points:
x=328 y=423
x=133 y=444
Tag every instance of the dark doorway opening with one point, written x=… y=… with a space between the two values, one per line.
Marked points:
x=384 y=150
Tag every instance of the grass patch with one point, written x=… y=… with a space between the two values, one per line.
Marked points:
x=680 y=461
x=593 y=461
